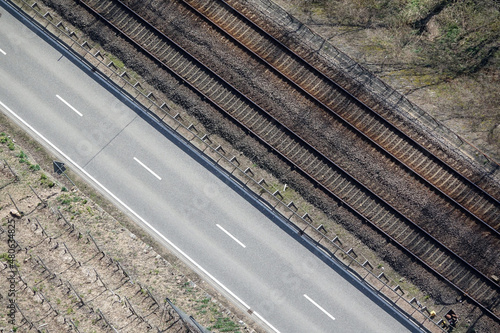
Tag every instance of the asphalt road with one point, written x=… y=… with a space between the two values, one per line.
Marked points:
x=211 y=223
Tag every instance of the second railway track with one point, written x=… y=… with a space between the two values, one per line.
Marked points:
x=296 y=151
x=366 y=122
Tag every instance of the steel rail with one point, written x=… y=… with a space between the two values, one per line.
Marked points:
x=356 y=100
x=305 y=173
x=346 y=122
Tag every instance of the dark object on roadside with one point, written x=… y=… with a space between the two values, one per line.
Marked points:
x=59 y=167
x=451 y=319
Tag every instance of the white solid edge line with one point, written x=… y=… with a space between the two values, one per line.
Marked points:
x=3 y=52
x=69 y=105
x=138 y=216
x=145 y=167
x=234 y=238
x=319 y=307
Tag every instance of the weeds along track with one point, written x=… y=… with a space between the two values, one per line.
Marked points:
x=302 y=156
x=454 y=185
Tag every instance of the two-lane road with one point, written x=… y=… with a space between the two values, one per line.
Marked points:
x=215 y=227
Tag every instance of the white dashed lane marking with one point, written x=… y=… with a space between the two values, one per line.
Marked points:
x=70 y=106
x=319 y=307
x=227 y=233
x=145 y=167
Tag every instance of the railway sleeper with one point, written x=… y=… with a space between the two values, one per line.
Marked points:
x=402 y=148
x=259 y=48
x=133 y=29
x=487 y=209
x=381 y=134
x=388 y=222
x=435 y=256
x=456 y=271
x=394 y=143
x=346 y=188
x=111 y=11
x=150 y=41
x=265 y=130
x=372 y=129
x=402 y=231
x=379 y=209
x=123 y=21
x=274 y=136
x=326 y=93
x=240 y=32
x=281 y=140
x=219 y=14
x=235 y=104
x=357 y=118
x=352 y=194
x=442 y=183
x=251 y=114
x=485 y=293
x=225 y=19
x=186 y=70
x=228 y=104
x=491 y=214
x=163 y=52
x=171 y=52
x=336 y=181
x=474 y=200
x=462 y=189
x=173 y=60
x=391 y=225
x=212 y=89
x=279 y=60
x=360 y=206
x=309 y=165
x=423 y=249
x=330 y=177
x=318 y=170
x=415 y=246
x=260 y=127
x=366 y=206
x=139 y=32
x=447 y=266
x=155 y=49
x=299 y=150
x=221 y=97
x=410 y=156
x=201 y=81
x=241 y=109
x=463 y=281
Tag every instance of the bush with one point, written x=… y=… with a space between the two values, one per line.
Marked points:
x=34 y=167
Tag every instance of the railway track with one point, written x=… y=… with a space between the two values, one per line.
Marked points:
x=339 y=183
x=450 y=182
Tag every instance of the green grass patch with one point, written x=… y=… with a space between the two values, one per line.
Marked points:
x=225 y=325
x=117 y=62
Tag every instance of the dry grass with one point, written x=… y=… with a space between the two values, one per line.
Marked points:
x=442 y=54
